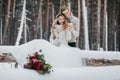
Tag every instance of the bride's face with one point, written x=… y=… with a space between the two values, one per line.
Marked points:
x=61 y=19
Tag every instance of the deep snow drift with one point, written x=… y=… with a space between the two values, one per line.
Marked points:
x=66 y=61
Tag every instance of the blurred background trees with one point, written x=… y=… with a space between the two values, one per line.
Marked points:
x=103 y=21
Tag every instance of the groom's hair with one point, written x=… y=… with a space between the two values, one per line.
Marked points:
x=63 y=8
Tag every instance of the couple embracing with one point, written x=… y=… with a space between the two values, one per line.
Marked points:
x=65 y=28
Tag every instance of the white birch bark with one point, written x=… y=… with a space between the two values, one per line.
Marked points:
x=106 y=39
x=25 y=31
x=21 y=24
x=84 y=9
x=79 y=10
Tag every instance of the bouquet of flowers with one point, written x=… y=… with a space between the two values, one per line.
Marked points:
x=37 y=62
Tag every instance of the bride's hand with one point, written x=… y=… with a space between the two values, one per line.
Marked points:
x=54 y=36
x=71 y=28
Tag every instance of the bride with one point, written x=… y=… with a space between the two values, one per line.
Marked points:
x=60 y=31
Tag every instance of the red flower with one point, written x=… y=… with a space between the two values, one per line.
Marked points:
x=36 y=53
x=28 y=65
x=35 y=60
x=32 y=57
x=40 y=63
x=38 y=68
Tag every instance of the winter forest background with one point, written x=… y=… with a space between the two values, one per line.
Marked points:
x=24 y=20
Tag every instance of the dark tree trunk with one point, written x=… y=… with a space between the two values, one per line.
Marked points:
x=5 y=36
x=98 y=33
x=1 y=26
x=104 y=26
x=39 y=22
x=92 y=26
x=115 y=26
x=47 y=20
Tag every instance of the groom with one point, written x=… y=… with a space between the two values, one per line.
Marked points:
x=74 y=20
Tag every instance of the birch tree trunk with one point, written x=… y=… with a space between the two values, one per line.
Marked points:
x=47 y=19
x=21 y=24
x=98 y=34
x=106 y=40
x=79 y=14
x=84 y=9
x=25 y=31
x=5 y=40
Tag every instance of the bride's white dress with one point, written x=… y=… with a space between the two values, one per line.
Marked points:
x=66 y=61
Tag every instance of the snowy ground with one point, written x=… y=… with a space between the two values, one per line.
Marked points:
x=67 y=63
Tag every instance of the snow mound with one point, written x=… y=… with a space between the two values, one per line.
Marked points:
x=62 y=56
x=66 y=61
x=56 y=56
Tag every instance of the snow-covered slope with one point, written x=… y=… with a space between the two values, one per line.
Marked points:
x=66 y=61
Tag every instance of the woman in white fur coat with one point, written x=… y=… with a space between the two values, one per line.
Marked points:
x=60 y=31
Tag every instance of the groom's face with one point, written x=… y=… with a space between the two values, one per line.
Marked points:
x=66 y=13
